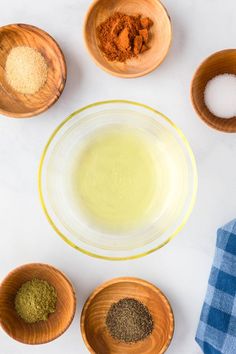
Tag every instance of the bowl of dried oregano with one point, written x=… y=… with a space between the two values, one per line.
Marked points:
x=37 y=303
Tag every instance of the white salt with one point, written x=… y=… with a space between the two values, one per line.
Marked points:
x=220 y=95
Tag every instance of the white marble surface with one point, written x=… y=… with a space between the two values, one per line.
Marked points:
x=180 y=269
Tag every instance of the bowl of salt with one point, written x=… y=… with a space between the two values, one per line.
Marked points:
x=213 y=91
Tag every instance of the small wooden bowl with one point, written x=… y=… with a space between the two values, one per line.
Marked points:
x=43 y=331
x=15 y=104
x=93 y=327
x=161 y=35
x=219 y=63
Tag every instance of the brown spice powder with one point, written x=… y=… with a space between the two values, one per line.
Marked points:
x=122 y=37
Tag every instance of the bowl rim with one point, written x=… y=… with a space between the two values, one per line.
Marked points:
x=124 y=75
x=61 y=57
x=203 y=117
x=56 y=271
x=113 y=281
x=184 y=219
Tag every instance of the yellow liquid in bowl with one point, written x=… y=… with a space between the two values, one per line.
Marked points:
x=115 y=179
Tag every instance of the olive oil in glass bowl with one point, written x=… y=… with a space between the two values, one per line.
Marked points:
x=117 y=180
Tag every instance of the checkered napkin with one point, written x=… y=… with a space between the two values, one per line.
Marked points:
x=216 y=332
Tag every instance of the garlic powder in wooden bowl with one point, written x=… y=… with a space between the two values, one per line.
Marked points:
x=26 y=70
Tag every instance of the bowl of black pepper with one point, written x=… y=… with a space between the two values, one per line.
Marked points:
x=127 y=315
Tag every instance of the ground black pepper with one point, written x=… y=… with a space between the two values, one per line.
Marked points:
x=129 y=321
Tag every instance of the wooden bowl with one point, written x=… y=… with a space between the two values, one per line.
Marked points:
x=161 y=35
x=43 y=331
x=93 y=327
x=15 y=104
x=219 y=63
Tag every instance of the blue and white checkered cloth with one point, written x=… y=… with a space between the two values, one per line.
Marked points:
x=216 y=332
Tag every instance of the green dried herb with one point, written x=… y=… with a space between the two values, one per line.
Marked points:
x=129 y=321
x=35 y=300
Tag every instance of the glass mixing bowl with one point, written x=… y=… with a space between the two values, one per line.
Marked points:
x=179 y=184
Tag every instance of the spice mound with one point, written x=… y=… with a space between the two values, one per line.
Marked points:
x=220 y=95
x=123 y=37
x=35 y=300
x=26 y=70
x=129 y=321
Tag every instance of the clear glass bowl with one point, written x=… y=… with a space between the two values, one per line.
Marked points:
x=180 y=187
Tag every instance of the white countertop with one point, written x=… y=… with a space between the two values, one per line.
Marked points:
x=181 y=268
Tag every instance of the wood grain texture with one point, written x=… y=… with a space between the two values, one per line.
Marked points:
x=43 y=331
x=219 y=63
x=93 y=327
x=15 y=104
x=161 y=35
